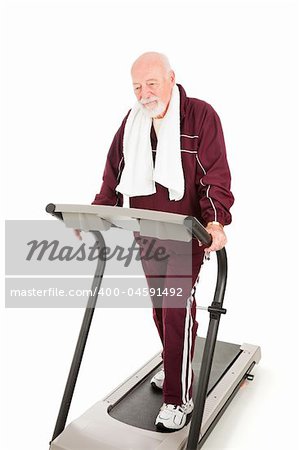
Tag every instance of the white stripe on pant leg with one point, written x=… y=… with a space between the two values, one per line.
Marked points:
x=185 y=352
x=190 y=347
x=186 y=362
x=190 y=300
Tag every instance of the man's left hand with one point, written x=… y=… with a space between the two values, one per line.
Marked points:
x=218 y=236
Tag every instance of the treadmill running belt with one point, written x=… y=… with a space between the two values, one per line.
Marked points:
x=141 y=406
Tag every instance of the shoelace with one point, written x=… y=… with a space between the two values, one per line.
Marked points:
x=180 y=408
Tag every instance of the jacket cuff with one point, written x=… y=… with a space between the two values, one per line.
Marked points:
x=221 y=217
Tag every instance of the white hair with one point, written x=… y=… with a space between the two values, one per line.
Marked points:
x=156 y=56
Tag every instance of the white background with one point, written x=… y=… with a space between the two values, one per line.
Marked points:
x=65 y=87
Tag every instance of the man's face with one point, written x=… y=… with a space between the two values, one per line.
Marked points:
x=152 y=87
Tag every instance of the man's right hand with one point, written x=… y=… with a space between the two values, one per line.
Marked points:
x=78 y=234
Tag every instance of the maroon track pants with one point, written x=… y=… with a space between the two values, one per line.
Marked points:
x=174 y=316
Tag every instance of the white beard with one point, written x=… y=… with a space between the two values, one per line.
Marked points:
x=157 y=111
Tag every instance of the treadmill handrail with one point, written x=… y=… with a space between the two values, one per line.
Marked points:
x=82 y=338
x=216 y=309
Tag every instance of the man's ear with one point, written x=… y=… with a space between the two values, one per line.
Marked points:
x=172 y=77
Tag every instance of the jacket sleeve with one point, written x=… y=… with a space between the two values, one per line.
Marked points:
x=112 y=172
x=215 y=195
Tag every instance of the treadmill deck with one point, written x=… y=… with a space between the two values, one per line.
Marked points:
x=130 y=409
x=102 y=427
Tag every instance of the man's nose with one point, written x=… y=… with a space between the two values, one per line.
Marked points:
x=145 y=92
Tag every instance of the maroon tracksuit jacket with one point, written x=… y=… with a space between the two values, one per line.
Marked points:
x=208 y=198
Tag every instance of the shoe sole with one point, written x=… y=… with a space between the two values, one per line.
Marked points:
x=157 y=388
x=160 y=427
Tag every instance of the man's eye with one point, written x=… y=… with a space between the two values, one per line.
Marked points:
x=137 y=87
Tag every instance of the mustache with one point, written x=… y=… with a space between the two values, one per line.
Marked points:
x=145 y=101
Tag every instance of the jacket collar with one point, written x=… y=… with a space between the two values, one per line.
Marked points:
x=183 y=101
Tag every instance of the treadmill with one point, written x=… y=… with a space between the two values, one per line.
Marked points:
x=119 y=421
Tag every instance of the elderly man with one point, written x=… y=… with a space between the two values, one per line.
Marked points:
x=169 y=155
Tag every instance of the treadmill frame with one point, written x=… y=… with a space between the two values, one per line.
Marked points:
x=202 y=418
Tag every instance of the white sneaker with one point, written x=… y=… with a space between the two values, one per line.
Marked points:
x=173 y=417
x=158 y=380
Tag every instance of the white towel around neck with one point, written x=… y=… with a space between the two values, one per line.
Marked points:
x=139 y=175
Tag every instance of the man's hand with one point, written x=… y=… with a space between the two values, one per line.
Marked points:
x=78 y=234
x=218 y=236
